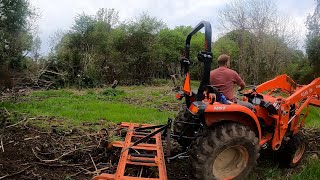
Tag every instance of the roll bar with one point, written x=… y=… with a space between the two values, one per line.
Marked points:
x=203 y=56
x=207 y=34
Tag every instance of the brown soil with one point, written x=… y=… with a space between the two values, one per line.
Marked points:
x=32 y=153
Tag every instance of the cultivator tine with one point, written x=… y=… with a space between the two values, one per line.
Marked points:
x=144 y=154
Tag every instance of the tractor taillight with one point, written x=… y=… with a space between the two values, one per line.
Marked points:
x=197 y=107
x=193 y=109
x=180 y=95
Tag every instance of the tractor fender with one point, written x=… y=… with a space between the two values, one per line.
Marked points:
x=215 y=113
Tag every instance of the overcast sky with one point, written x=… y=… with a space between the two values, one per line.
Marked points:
x=59 y=14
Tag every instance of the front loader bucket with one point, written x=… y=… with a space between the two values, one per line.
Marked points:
x=136 y=160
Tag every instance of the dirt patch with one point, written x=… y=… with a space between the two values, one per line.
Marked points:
x=30 y=153
x=313 y=137
x=179 y=169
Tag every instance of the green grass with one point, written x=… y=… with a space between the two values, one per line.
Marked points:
x=311 y=171
x=273 y=172
x=77 y=107
x=313 y=118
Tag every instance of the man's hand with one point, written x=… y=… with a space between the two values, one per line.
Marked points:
x=242 y=86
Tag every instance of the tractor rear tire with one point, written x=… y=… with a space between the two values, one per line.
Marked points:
x=292 y=152
x=183 y=129
x=227 y=151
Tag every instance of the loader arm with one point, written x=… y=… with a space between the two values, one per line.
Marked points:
x=304 y=95
x=283 y=82
x=315 y=101
x=310 y=90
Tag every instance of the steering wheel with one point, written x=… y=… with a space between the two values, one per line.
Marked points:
x=252 y=87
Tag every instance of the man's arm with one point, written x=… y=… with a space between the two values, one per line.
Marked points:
x=239 y=82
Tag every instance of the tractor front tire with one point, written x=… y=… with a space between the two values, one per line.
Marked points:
x=292 y=152
x=183 y=129
x=227 y=151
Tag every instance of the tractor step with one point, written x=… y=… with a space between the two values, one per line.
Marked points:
x=147 y=158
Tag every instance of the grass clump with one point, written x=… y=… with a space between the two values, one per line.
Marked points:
x=112 y=92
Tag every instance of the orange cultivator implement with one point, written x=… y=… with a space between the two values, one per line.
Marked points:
x=142 y=151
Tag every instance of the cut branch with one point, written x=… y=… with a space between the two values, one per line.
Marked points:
x=19 y=172
x=95 y=167
x=52 y=160
x=1 y=144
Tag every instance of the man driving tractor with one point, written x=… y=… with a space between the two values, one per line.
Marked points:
x=224 y=78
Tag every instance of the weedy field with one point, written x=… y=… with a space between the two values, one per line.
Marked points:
x=55 y=134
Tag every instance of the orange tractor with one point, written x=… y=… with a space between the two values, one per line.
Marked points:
x=223 y=139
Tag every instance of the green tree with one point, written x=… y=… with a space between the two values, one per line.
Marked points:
x=169 y=49
x=262 y=36
x=98 y=49
x=313 y=39
x=300 y=69
x=35 y=49
x=15 y=35
x=225 y=45
x=140 y=45
x=15 y=38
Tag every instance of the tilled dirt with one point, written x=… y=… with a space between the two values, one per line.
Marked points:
x=33 y=153
x=29 y=153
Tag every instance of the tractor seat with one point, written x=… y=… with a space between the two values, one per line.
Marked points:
x=245 y=104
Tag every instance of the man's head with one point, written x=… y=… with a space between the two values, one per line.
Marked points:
x=224 y=60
